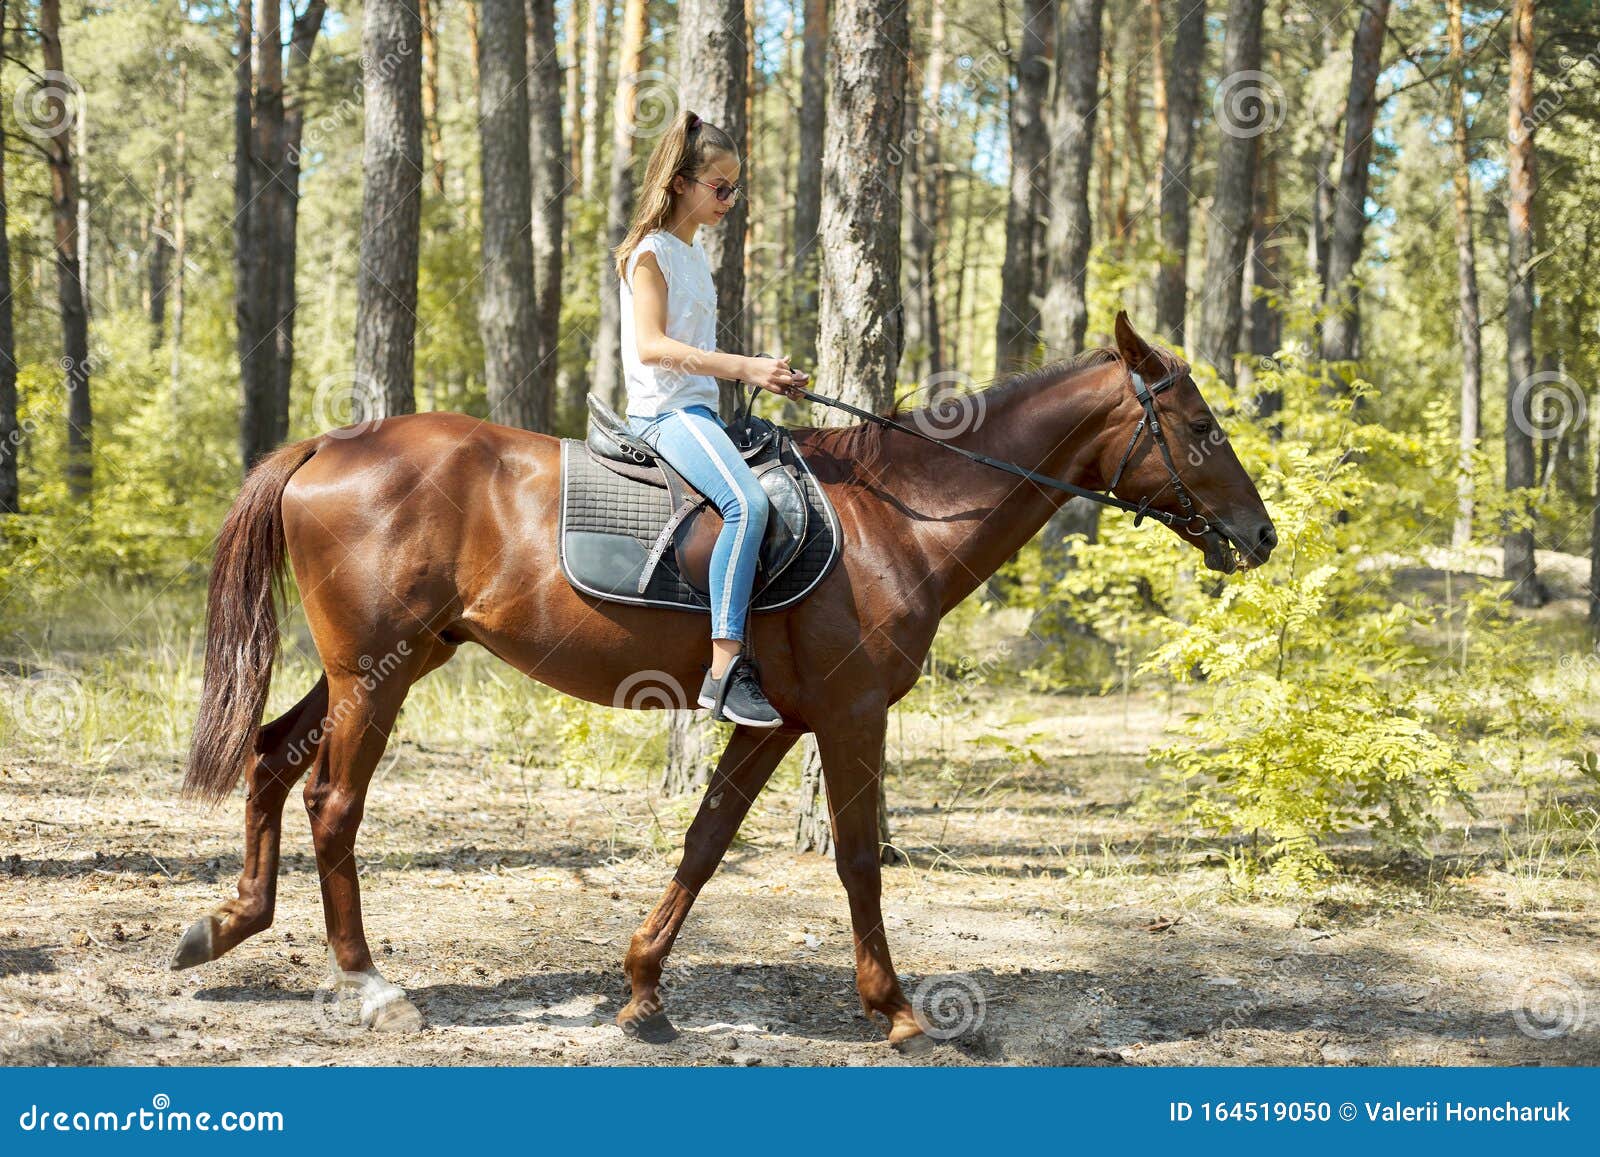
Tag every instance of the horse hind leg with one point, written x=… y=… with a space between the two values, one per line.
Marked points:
x=363 y=711
x=287 y=746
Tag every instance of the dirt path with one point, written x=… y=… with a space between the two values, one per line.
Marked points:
x=1040 y=911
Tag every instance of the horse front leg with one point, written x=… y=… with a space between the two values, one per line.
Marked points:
x=852 y=758
x=746 y=765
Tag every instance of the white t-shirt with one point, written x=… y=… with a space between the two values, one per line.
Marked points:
x=691 y=319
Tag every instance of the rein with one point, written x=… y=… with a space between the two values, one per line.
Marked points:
x=1190 y=519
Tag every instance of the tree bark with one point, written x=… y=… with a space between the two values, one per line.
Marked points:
x=1341 y=293
x=1016 y=337
x=619 y=202
x=714 y=64
x=507 y=303
x=808 y=179
x=180 y=218
x=62 y=116
x=1065 y=317
x=1177 y=154
x=266 y=210
x=430 y=93
x=10 y=431
x=596 y=40
x=1232 y=204
x=860 y=335
x=391 y=209
x=1467 y=280
x=924 y=337
x=160 y=259
x=547 y=152
x=286 y=204
x=1527 y=590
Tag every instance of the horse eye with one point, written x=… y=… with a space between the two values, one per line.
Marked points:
x=1201 y=428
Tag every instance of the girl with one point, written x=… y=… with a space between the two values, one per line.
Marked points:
x=671 y=364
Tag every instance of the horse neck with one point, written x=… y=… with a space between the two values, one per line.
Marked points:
x=966 y=518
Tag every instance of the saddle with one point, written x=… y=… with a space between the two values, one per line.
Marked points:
x=636 y=530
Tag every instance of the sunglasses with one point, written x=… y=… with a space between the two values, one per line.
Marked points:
x=725 y=193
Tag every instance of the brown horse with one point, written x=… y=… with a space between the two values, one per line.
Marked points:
x=423 y=532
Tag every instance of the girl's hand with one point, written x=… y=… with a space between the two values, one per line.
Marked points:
x=775 y=375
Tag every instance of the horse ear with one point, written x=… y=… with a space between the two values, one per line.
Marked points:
x=1135 y=351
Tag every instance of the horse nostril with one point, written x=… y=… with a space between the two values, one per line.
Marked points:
x=1268 y=538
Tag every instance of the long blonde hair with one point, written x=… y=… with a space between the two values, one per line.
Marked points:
x=687 y=146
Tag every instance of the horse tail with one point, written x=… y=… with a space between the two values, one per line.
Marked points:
x=242 y=626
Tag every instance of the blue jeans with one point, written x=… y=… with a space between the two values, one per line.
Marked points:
x=694 y=440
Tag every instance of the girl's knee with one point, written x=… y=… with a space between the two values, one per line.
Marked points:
x=752 y=504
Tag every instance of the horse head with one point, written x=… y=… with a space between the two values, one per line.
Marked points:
x=1166 y=449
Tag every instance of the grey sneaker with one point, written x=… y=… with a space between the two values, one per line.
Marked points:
x=739 y=693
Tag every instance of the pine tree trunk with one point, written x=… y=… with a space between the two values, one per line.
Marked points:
x=691 y=752
x=506 y=304
x=1232 y=204
x=715 y=83
x=160 y=260
x=10 y=431
x=1065 y=316
x=70 y=294
x=619 y=203
x=1177 y=153
x=1528 y=591
x=547 y=151
x=1016 y=336
x=430 y=93
x=923 y=336
x=285 y=245
x=249 y=311
x=861 y=327
x=808 y=180
x=180 y=219
x=1266 y=318
x=1467 y=279
x=1341 y=293
x=596 y=40
x=391 y=209
x=262 y=266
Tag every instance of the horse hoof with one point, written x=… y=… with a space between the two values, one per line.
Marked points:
x=654 y=1029
x=918 y=1044
x=397 y=1014
x=196 y=945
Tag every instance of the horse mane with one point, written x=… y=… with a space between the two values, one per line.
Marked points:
x=860 y=441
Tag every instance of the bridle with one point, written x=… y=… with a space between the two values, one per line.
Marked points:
x=1191 y=520
x=1147 y=399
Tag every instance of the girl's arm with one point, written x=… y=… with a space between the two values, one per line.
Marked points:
x=656 y=348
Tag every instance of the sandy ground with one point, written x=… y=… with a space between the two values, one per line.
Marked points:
x=1041 y=915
